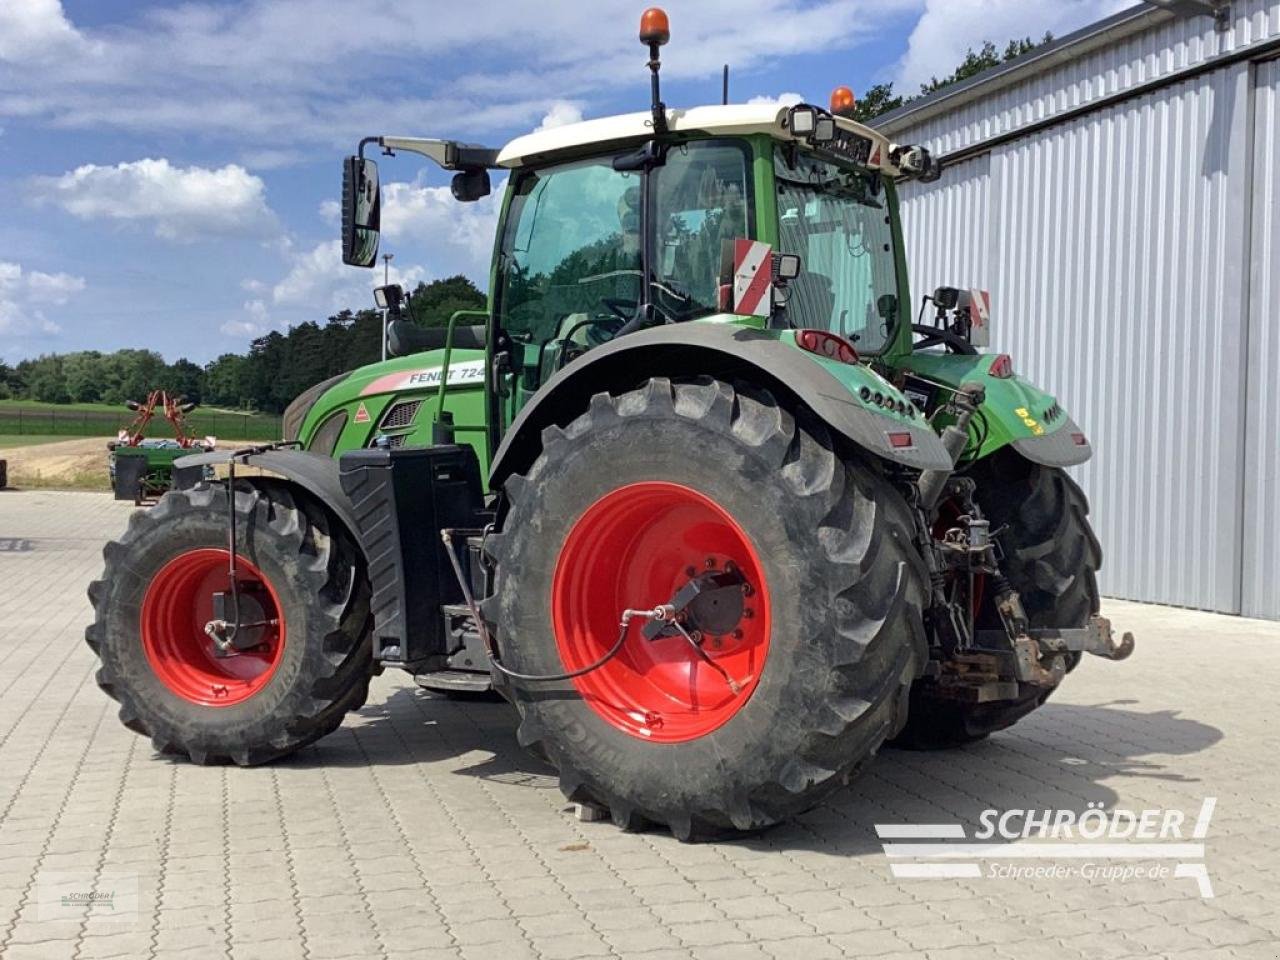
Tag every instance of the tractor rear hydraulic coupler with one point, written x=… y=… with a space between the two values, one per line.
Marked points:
x=664 y=613
x=955 y=438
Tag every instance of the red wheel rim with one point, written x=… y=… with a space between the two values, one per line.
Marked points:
x=635 y=548
x=177 y=605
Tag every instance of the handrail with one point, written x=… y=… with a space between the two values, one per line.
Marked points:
x=448 y=354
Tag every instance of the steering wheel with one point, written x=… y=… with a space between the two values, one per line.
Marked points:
x=932 y=336
x=618 y=308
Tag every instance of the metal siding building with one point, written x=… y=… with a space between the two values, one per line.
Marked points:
x=1117 y=193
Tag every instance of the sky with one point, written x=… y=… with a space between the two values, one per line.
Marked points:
x=172 y=169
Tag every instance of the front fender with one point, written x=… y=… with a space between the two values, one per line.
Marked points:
x=317 y=474
x=832 y=390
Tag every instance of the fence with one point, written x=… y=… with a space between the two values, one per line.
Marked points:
x=72 y=422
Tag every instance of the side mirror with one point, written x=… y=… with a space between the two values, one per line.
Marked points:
x=470 y=185
x=361 y=212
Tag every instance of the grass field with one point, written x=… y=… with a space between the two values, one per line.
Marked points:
x=21 y=418
x=10 y=440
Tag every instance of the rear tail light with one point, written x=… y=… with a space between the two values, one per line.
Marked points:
x=1080 y=439
x=901 y=441
x=824 y=344
x=1002 y=367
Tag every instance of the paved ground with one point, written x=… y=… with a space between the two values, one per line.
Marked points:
x=421 y=830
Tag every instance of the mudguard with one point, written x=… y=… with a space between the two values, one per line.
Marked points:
x=830 y=389
x=316 y=474
x=1064 y=447
x=1016 y=412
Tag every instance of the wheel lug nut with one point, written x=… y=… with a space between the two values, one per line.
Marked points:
x=690 y=571
x=711 y=563
x=737 y=634
x=747 y=590
x=748 y=613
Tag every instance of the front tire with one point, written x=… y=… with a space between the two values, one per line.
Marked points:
x=301 y=580
x=629 y=502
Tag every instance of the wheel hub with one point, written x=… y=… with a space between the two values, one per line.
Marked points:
x=652 y=543
x=709 y=604
x=181 y=601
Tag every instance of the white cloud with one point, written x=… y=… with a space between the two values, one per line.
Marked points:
x=183 y=203
x=32 y=31
x=248 y=72
x=431 y=216
x=56 y=288
x=255 y=323
x=331 y=212
x=782 y=99
x=318 y=280
x=949 y=28
x=23 y=292
x=562 y=113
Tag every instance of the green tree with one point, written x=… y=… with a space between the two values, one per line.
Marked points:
x=184 y=378
x=223 y=380
x=82 y=375
x=875 y=101
x=46 y=381
x=435 y=302
x=880 y=99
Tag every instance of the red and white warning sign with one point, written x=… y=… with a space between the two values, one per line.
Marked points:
x=362 y=414
x=980 y=318
x=752 y=278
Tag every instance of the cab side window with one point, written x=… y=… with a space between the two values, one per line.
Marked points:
x=700 y=202
x=570 y=274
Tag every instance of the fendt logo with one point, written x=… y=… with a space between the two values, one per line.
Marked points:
x=1097 y=845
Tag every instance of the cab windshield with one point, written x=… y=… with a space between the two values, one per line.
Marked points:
x=836 y=218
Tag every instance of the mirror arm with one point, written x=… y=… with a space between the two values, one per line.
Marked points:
x=447 y=154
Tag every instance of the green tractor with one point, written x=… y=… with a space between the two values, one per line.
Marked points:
x=694 y=494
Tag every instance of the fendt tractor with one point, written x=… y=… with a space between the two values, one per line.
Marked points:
x=695 y=494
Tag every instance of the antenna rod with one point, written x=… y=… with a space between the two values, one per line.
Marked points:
x=725 y=97
x=655 y=30
x=659 y=108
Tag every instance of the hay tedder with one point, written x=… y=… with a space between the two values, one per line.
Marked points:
x=694 y=493
x=142 y=467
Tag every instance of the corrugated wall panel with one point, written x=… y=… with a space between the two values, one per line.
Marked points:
x=1114 y=261
x=1261 y=580
x=947 y=226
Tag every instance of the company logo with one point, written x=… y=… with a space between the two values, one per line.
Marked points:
x=1097 y=845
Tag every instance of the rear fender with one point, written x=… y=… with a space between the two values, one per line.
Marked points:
x=830 y=389
x=1018 y=414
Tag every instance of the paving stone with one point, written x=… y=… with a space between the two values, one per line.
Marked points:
x=420 y=829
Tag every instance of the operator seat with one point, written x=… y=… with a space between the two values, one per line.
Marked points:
x=405 y=337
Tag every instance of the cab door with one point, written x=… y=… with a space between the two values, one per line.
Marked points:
x=569 y=269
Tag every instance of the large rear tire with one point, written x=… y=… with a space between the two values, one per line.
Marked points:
x=1051 y=557
x=631 y=500
x=300 y=575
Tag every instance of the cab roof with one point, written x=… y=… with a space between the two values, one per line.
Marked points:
x=734 y=119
